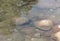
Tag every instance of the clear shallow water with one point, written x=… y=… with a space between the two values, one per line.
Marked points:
x=43 y=10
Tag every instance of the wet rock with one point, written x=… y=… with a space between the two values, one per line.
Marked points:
x=21 y=20
x=44 y=24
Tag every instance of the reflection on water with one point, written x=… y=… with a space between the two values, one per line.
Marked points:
x=41 y=21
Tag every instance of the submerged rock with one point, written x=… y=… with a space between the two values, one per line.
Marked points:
x=44 y=24
x=21 y=20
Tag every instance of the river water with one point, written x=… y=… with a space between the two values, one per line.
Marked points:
x=30 y=25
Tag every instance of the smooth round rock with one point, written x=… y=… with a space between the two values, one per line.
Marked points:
x=44 y=24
